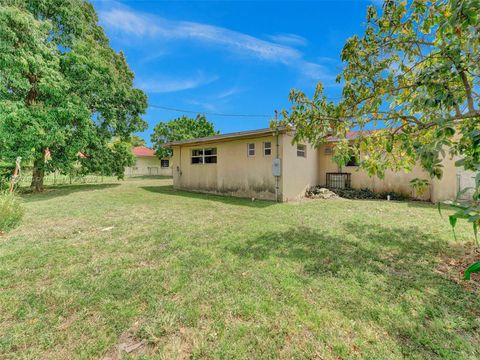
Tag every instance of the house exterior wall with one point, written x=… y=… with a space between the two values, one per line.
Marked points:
x=298 y=173
x=439 y=190
x=234 y=174
x=237 y=174
x=446 y=187
x=465 y=183
x=145 y=166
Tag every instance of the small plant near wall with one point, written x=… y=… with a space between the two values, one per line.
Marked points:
x=419 y=186
x=356 y=194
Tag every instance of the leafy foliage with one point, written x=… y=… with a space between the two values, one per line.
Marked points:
x=137 y=141
x=63 y=90
x=11 y=211
x=359 y=194
x=415 y=74
x=474 y=268
x=181 y=128
x=6 y=171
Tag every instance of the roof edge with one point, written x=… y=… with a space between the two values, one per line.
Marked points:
x=228 y=136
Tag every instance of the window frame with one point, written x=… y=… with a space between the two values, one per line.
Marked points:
x=353 y=161
x=248 y=150
x=304 y=150
x=162 y=162
x=267 y=148
x=202 y=156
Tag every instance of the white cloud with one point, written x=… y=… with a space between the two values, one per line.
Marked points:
x=167 y=85
x=228 y=92
x=316 y=71
x=203 y=105
x=140 y=24
x=288 y=39
x=153 y=56
x=127 y=22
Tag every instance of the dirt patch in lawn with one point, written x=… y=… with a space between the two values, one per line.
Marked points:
x=127 y=344
x=454 y=267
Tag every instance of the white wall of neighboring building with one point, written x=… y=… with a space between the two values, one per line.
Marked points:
x=149 y=166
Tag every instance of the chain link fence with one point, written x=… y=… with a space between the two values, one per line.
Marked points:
x=25 y=180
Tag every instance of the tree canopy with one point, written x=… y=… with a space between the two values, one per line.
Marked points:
x=63 y=90
x=181 y=128
x=415 y=77
x=137 y=141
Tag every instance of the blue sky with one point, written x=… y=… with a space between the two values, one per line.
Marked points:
x=239 y=57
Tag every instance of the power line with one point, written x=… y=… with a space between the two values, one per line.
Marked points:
x=208 y=113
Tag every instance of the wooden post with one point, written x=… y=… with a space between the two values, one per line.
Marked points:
x=16 y=174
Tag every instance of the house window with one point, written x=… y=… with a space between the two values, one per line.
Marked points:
x=301 y=150
x=267 y=148
x=204 y=156
x=210 y=156
x=251 y=149
x=352 y=161
x=165 y=163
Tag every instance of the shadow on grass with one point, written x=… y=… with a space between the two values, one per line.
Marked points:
x=169 y=190
x=388 y=276
x=63 y=190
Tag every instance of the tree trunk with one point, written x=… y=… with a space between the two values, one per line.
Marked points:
x=37 y=176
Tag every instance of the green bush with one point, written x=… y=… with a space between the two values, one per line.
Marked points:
x=359 y=194
x=6 y=171
x=11 y=211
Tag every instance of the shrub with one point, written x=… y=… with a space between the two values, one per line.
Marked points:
x=358 y=194
x=11 y=211
x=6 y=171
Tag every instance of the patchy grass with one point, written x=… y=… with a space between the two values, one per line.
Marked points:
x=202 y=276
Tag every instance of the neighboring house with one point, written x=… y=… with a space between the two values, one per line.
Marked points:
x=266 y=165
x=148 y=164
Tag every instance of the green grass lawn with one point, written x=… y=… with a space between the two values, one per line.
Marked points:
x=98 y=266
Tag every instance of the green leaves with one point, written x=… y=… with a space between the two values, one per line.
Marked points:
x=453 y=221
x=414 y=73
x=62 y=87
x=474 y=268
x=181 y=128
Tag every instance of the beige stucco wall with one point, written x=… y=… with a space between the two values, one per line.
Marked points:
x=465 y=183
x=298 y=173
x=148 y=166
x=446 y=187
x=393 y=181
x=235 y=173
x=439 y=190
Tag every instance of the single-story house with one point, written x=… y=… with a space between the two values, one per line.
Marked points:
x=265 y=164
x=148 y=164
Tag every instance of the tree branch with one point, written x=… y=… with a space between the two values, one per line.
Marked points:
x=468 y=91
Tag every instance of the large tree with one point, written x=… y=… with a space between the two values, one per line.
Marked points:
x=181 y=128
x=63 y=90
x=414 y=74
x=137 y=141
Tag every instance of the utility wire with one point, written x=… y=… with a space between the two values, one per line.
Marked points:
x=209 y=113
x=219 y=114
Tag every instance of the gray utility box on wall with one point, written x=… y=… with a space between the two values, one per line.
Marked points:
x=276 y=167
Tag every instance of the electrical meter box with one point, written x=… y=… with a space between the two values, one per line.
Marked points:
x=276 y=167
